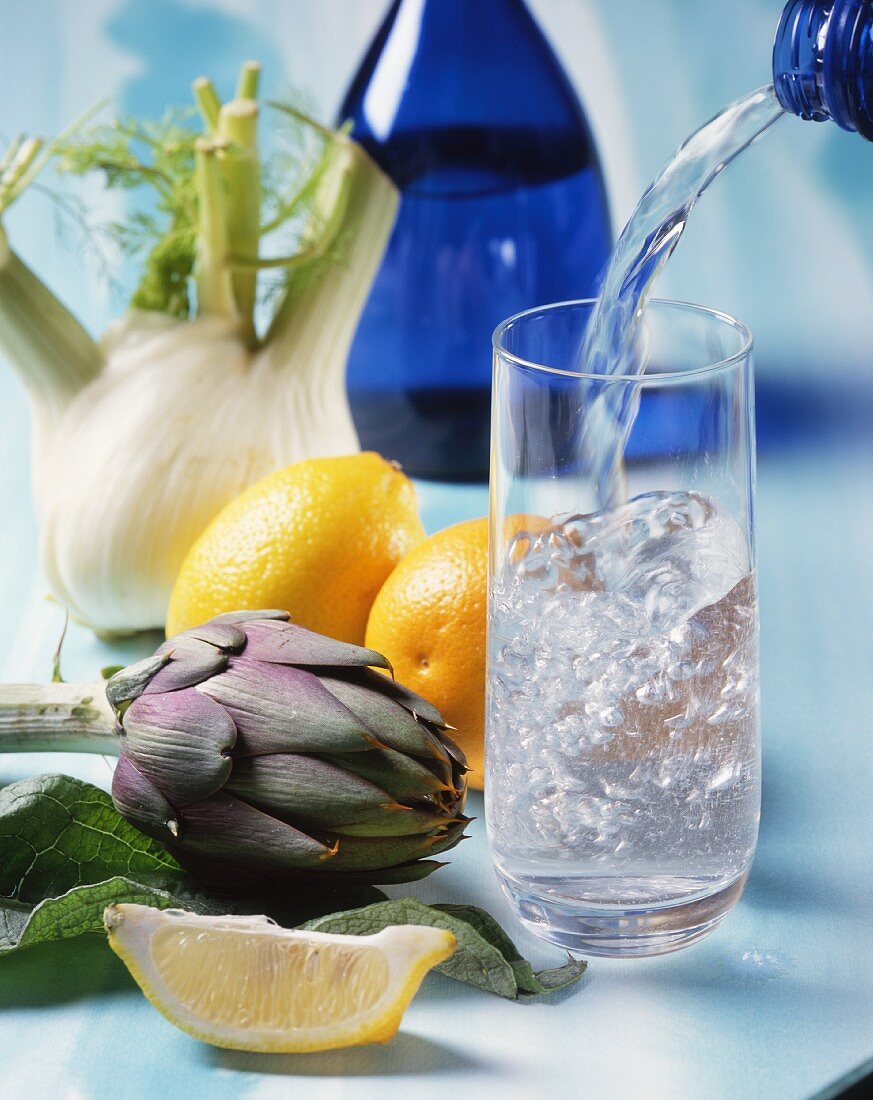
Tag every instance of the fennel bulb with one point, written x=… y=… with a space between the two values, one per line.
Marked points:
x=143 y=437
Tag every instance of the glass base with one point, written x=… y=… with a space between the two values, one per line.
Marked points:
x=621 y=932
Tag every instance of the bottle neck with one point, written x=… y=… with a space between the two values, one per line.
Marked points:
x=448 y=6
x=823 y=62
x=422 y=11
x=441 y=69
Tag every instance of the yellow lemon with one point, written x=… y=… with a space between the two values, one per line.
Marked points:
x=247 y=984
x=429 y=621
x=316 y=539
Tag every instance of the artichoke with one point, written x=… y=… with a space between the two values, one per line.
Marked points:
x=250 y=745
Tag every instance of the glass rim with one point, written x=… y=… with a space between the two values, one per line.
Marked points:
x=742 y=330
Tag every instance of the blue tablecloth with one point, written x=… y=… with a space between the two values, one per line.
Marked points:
x=775 y=1004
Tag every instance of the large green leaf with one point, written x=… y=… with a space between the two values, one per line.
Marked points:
x=57 y=833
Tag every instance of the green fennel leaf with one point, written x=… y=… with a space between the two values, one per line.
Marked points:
x=152 y=161
x=157 y=158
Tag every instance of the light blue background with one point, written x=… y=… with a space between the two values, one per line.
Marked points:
x=776 y=1004
x=785 y=242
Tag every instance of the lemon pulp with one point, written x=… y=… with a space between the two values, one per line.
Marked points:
x=299 y=984
x=247 y=984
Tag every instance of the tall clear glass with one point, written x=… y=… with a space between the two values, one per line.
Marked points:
x=623 y=732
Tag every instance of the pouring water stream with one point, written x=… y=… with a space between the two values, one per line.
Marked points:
x=613 y=343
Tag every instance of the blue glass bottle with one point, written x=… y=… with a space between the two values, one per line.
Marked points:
x=823 y=62
x=464 y=104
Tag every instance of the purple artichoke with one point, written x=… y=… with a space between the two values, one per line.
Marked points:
x=253 y=746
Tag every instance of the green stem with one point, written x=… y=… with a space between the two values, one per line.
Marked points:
x=266 y=263
x=300 y=116
x=249 y=78
x=56 y=718
x=295 y=203
x=214 y=288
x=10 y=153
x=241 y=175
x=317 y=319
x=208 y=102
x=52 y=353
x=14 y=172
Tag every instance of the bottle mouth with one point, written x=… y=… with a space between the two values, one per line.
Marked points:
x=848 y=66
x=798 y=58
x=823 y=62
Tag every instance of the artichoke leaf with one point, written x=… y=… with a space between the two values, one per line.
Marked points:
x=390 y=722
x=277 y=708
x=407 y=698
x=222 y=635
x=311 y=790
x=455 y=752
x=181 y=742
x=191 y=662
x=234 y=617
x=140 y=801
x=287 y=644
x=401 y=776
x=377 y=853
x=129 y=683
x=229 y=830
x=400 y=821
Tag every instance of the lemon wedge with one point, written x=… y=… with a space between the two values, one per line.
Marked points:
x=247 y=984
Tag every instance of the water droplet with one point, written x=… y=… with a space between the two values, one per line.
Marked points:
x=756 y=965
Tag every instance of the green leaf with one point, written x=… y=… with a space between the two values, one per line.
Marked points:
x=153 y=157
x=57 y=678
x=66 y=853
x=485 y=956
x=80 y=910
x=531 y=983
x=57 y=833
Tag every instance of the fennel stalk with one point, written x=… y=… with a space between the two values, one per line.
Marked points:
x=145 y=435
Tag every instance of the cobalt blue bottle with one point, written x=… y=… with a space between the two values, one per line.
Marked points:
x=464 y=104
x=823 y=62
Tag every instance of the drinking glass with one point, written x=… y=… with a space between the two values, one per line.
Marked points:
x=623 y=746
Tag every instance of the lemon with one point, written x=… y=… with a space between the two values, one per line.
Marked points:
x=317 y=539
x=247 y=984
x=429 y=620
